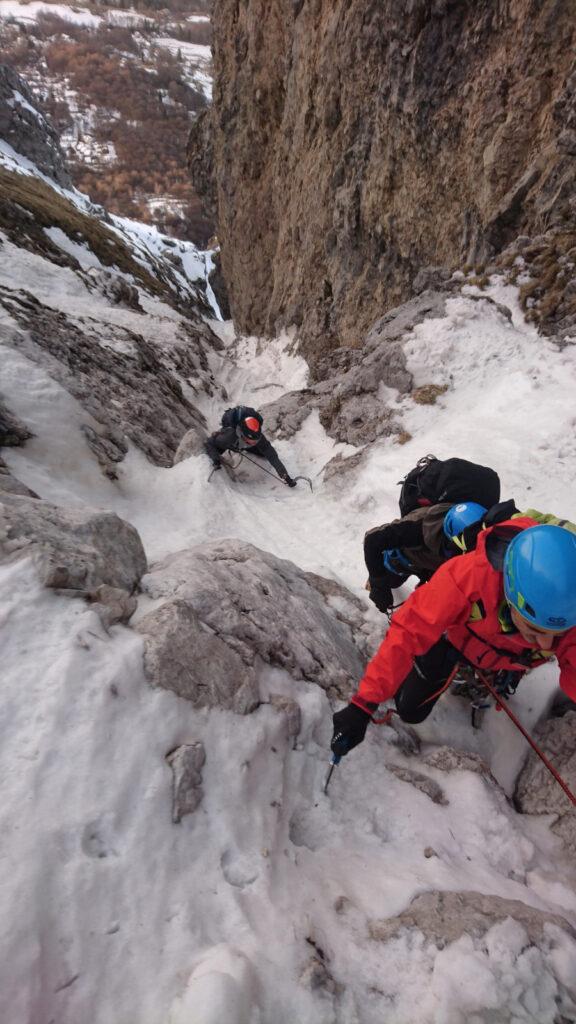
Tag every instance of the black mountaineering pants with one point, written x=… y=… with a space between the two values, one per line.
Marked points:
x=426 y=682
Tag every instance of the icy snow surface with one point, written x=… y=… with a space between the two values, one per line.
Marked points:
x=113 y=915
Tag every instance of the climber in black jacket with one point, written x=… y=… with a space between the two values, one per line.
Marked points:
x=242 y=431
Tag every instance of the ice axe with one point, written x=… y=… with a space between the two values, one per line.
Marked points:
x=306 y=478
x=264 y=470
x=334 y=762
x=342 y=745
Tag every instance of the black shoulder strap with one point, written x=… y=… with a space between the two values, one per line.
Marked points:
x=497 y=543
x=496 y=514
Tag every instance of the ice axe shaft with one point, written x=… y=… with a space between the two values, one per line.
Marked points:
x=334 y=762
x=264 y=470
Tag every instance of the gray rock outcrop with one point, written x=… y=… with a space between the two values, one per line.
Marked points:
x=191 y=444
x=537 y=792
x=424 y=783
x=354 y=142
x=444 y=917
x=447 y=759
x=186 y=763
x=112 y=604
x=183 y=655
x=114 y=287
x=25 y=128
x=73 y=549
x=132 y=388
x=243 y=606
x=348 y=381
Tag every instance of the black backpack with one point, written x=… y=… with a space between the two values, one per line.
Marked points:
x=232 y=417
x=433 y=480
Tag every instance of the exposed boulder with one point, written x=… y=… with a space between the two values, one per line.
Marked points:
x=424 y=783
x=26 y=129
x=185 y=656
x=537 y=792
x=444 y=917
x=229 y=594
x=191 y=444
x=353 y=142
x=338 y=468
x=186 y=763
x=112 y=604
x=73 y=549
x=447 y=759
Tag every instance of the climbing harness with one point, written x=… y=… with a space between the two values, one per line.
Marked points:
x=468 y=684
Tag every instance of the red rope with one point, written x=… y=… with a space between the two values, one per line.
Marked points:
x=526 y=736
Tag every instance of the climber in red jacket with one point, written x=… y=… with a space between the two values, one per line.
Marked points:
x=510 y=605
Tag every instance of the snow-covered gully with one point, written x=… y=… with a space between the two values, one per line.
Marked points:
x=169 y=854
x=273 y=903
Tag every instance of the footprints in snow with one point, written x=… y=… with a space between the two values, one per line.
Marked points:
x=97 y=840
x=238 y=869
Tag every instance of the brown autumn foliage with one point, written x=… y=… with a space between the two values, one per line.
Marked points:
x=143 y=107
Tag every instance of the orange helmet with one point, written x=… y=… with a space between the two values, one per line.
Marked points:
x=249 y=430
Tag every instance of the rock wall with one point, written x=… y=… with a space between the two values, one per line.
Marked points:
x=26 y=130
x=356 y=141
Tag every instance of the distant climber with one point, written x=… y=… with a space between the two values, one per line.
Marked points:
x=420 y=542
x=241 y=430
x=439 y=500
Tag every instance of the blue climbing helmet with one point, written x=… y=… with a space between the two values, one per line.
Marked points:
x=540 y=576
x=462 y=515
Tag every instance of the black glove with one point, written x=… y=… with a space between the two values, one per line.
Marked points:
x=216 y=464
x=288 y=480
x=350 y=726
x=382 y=597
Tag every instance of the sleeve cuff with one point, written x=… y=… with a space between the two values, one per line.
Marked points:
x=366 y=705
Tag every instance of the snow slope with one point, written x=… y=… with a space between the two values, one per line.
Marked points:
x=110 y=913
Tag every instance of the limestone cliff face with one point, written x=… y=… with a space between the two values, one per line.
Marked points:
x=356 y=141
